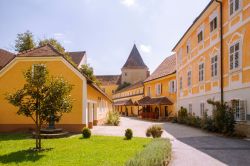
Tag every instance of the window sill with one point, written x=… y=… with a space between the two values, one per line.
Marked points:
x=235 y=71
x=231 y=17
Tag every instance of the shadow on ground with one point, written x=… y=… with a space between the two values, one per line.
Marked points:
x=21 y=156
x=15 y=136
x=235 y=152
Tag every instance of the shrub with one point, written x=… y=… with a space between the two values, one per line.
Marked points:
x=155 y=131
x=113 y=118
x=86 y=133
x=157 y=153
x=182 y=115
x=223 y=117
x=129 y=134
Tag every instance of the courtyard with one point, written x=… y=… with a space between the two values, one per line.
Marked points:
x=190 y=146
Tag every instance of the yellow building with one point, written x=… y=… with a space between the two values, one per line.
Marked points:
x=90 y=105
x=125 y=100
x=109 y=83
x=160 y=91
x=213 y=60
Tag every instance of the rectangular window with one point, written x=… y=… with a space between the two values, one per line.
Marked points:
x=201 y=72
x=239 y=107
x=149 y=91
x=214 y=66
x=188 y=47
x=200 y=36
x=172 y=86
x=189 y=80
x=213 y=24
x=234 y=6
x=190 y=108
x=202 y=109
x=234 y=56
x=158 y=89
x=37 y=70
x=180 y=83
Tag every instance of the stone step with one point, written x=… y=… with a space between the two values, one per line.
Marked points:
x=51 y=131
x=50 y=135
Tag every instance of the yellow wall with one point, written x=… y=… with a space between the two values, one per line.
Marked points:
x=236 y=28
x=109 y=89
x=164 y=81
x=13 y=79
x=96 y=96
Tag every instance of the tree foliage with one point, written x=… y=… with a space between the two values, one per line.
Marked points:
x=25 y=41
x=122 y=86
x=41 y=97
x=88 y=71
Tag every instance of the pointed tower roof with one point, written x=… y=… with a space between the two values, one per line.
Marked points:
x=134 y=60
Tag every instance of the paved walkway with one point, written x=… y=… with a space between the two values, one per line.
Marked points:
x=191 y=147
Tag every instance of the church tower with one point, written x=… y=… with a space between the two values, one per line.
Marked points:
x=134 y=70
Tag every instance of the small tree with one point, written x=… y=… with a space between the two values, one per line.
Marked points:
x=41 y=97
x=223 y=117
x=25 y=41
x=122 y=86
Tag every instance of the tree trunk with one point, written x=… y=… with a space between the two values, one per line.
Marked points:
x=37 y=132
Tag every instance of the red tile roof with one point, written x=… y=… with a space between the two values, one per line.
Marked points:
x=5 y=57
x=109 y=79
x=46 y=50
x=167 y=67
x=77 y=56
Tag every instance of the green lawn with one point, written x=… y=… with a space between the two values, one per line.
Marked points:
x=98 y=150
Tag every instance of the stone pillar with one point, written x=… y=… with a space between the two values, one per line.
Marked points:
x=90 y=112
x=84 y=104
x=95 y=114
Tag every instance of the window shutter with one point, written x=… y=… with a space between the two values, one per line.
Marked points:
x=242 y=110
x=175 y=86
x=161 y=88
x=169 y=87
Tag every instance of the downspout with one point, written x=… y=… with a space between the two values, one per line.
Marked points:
x=221 y=51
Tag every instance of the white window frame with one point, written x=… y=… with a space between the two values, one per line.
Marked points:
x=181 y=83
x=202 y=109
x=233 y=54
x=172 y=86
x=201 y=72
x=214 y=66
x=33 y=68
x=190 y=108
x=213 y=24
x=158 y=89
x=189 y=78
x=240 y=109
x=234 y=11
x=149 y=91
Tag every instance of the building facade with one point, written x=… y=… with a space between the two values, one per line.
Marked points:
x=213 y=60
x=159 y=100
x=90 y=104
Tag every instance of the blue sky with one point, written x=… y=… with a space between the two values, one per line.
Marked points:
x=106 y=29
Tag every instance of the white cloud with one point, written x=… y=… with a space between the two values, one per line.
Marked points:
x=128 y=3
x=145 y=48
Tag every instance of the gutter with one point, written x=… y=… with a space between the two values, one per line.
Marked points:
x=221 y=51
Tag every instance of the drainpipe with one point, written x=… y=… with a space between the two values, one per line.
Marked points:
x=221 y=51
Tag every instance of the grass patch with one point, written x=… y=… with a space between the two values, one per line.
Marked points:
x=157 y=153
x=98 y=150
